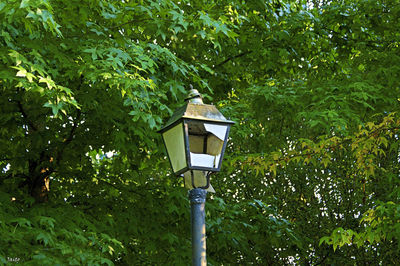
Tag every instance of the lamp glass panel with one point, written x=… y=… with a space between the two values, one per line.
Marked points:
x=215 y=141
x=196 y=143
x=218 y=130
x=205 y=143
x=175 y=145
x=202 y=160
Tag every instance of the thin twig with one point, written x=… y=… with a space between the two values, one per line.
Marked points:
x=30 y=123
x=231 y=58
x=129 y=22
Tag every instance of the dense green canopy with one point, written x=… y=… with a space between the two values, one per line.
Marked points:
x=311 y=172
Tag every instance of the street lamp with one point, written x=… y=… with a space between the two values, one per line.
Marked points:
x=195 y=138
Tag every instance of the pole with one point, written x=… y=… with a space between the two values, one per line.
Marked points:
x=197 y=197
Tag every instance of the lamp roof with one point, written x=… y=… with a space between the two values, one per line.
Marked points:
x=197 y=111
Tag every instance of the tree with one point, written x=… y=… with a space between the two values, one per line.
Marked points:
x=313 y=159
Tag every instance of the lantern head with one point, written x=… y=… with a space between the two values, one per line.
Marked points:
x=195 y=138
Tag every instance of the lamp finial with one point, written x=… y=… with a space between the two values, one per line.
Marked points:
x=194 y=96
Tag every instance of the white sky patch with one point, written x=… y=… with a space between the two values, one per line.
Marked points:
x=110 y=154
x=5 y=169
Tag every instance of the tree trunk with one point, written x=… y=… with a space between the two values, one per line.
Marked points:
x=40 y=188
x=39 y=181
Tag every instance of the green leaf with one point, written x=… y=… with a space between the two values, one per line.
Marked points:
x=44 y=237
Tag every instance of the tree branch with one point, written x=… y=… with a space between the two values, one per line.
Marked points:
x=129 y=22
x=231 y=58
x=121 y=188
x=323 y=259
x=73 y=129
x=21 y=109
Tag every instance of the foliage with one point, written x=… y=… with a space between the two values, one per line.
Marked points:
x=311 y=172
x=53 y=235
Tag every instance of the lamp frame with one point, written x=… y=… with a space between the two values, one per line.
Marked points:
x=185 y=122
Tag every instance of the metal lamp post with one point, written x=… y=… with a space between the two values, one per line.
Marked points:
x=195 y=138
